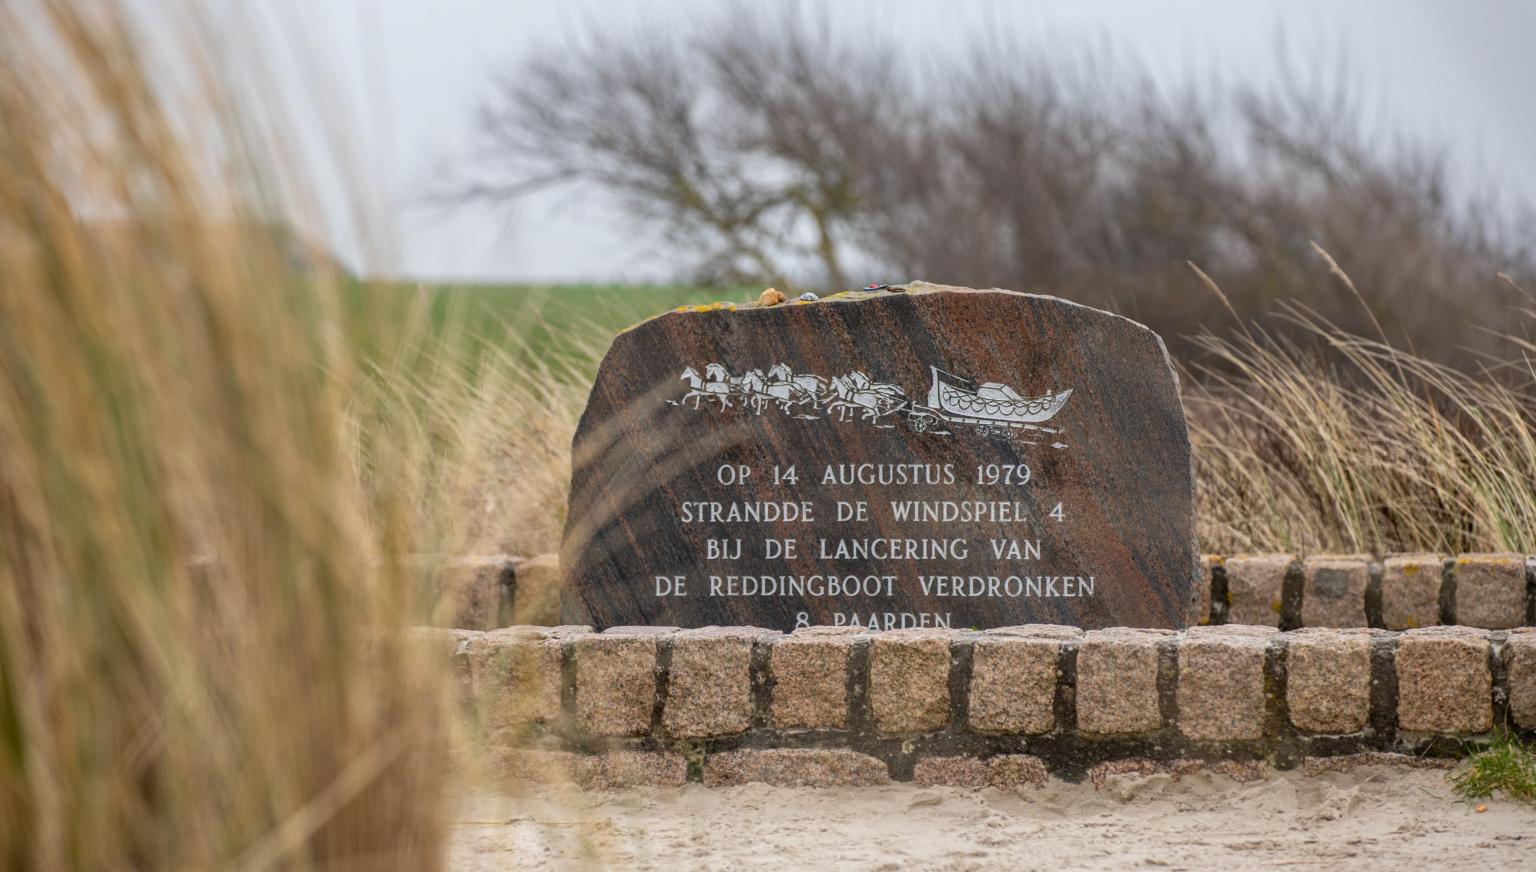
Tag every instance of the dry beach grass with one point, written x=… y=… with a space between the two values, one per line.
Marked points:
x=1352 y=445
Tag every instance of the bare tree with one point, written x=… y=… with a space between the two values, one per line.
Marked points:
x=744 y=146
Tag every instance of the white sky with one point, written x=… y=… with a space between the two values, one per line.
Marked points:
x=412 y=71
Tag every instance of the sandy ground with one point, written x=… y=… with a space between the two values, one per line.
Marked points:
x=1368 y=818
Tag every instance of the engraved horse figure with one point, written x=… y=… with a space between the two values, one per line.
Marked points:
x=791 y=390
x=856 y=393
x=700 y=390
x=753 y=389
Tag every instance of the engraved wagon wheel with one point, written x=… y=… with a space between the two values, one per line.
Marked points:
x=920 y=421
x=1001 y=431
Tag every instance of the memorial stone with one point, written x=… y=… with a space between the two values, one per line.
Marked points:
x=923 y=456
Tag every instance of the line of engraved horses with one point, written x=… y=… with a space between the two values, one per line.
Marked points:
x=847 y=396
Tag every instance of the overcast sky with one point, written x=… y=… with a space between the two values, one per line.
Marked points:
x=412 y=71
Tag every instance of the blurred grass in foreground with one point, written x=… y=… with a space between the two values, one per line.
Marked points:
x=206 y=487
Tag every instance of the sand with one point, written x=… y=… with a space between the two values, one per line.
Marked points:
x=1368 y=818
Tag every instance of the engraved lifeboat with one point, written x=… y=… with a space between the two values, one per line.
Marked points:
x=960 y=399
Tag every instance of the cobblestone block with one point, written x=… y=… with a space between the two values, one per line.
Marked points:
x=1328 y=680
x=1255 y=585
x=1117 y=681
x=909 y=680
x=1444 y=684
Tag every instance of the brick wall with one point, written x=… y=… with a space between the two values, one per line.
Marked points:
x=1003 y=707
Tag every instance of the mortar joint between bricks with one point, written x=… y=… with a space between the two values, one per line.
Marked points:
x=1293 y=593
x=1168 y=681
x=1448 y=591
x=1221 y=597
x=568 y=717
x=762 y=682
x=663 y=685
x=1530 y=591
x=861 y=720
x=506 y=593
x=962 y=654
x=1376 y=576
x=1064 y=703
x=1281 y=742
x=1498 y=670
x=1382 y=719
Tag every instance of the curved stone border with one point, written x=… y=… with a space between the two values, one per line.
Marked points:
x=1003 y=707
